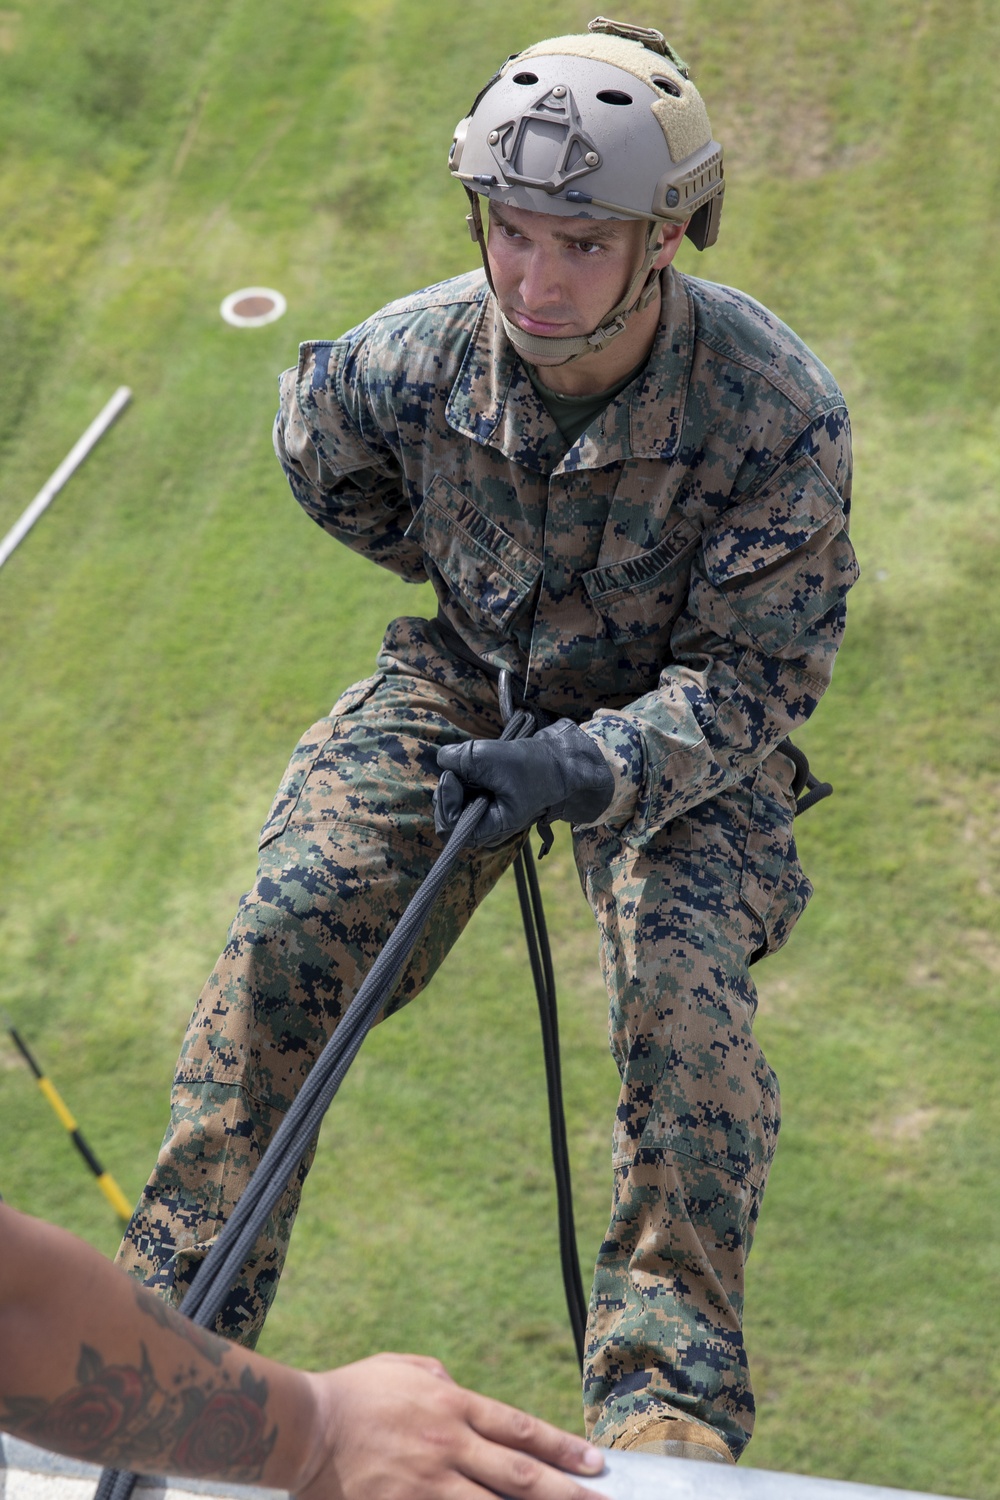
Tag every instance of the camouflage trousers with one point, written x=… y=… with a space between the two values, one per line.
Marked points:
x=349 y=838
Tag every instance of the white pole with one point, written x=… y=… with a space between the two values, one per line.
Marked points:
x=71 y=462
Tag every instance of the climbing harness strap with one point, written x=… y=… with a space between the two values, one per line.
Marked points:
x=804 y=780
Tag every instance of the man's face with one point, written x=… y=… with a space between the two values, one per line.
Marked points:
x=557 y=277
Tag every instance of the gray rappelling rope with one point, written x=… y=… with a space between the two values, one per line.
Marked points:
x=540 y=958
x=222 y=1265
x=224 y=1262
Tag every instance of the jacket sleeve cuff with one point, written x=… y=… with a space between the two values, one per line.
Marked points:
x=620 y=742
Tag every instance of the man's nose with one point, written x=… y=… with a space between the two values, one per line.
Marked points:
x=540 y=284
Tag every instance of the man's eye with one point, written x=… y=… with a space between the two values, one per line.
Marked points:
x=587 y=246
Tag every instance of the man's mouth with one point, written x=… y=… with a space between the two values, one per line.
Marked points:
x=540 y=326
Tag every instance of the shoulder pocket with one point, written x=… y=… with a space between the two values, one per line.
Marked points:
x=326 y=419
x=783 y=558
x=485 y=570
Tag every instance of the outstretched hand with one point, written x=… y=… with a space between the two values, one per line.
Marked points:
x=397 y=1427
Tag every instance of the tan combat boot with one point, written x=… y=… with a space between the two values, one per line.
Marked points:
x=676 y=1437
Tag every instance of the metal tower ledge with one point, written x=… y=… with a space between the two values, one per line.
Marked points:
x=29 y=1473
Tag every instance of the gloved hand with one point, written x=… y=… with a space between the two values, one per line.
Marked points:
x=557 y=773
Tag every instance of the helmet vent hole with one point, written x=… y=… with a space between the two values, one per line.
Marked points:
x=668 y=86
x=525 y=77
x=614 y=96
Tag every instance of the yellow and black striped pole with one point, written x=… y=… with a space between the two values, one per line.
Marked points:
x=105 y=1181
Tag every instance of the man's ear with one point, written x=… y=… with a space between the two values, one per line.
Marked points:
x=671 y=236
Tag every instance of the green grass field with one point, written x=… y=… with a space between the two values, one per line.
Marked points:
x=174 y=622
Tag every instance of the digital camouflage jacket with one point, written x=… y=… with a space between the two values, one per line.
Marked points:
x=676 y=580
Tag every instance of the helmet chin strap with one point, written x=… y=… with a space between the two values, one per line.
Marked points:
x=642 y=288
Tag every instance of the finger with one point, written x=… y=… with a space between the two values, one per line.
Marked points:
x=507 y=1425
x=492 y=830
x=476 y=763
x=448 y=802
x=457 y=758
x=520 y=1475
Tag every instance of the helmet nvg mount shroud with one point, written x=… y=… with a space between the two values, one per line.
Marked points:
x=606 y=125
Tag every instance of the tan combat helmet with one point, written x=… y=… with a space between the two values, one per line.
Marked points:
x=606 y=124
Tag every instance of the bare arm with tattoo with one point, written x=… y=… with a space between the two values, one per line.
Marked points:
x=96 y=1367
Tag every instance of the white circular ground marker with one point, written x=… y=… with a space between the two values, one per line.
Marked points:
x=252 y=306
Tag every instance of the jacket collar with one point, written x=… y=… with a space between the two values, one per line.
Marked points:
x=494 y=403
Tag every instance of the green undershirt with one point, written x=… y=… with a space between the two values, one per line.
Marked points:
x=574 y=414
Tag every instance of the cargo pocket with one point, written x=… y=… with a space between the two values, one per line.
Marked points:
x=485 y=571
x=773 y=885
x=307 y=752
x=640 y=598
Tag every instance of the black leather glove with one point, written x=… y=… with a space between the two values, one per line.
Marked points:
x=557 y=773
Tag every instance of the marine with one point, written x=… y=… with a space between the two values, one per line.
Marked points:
x=630 y=489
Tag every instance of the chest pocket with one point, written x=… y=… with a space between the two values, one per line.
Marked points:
x=479 y=564
x=640 y=598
